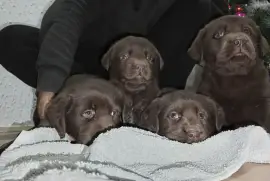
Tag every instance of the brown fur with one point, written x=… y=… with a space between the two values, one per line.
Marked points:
x=85 y=106
x=183 y=116
x=134 y=64
x=240 y=84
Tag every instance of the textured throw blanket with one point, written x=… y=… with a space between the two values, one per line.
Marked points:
x=39 y=155
x=132 y=154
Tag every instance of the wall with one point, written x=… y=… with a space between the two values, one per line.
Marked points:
x=16 y=98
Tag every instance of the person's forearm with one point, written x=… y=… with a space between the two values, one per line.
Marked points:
x=56 y=57
x=59 y=45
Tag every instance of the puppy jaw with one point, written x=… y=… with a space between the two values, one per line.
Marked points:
x=220 y=53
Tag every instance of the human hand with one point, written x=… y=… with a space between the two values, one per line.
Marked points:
x=43 y=101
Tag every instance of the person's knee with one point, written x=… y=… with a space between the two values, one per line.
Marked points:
x=9 y=30
x=18 y=32
x=6 y=36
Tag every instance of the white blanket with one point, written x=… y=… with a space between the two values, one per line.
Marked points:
x=132 y=154
x=39 y=155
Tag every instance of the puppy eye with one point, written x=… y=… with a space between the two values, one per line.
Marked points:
x=201 y=115
x=219 y=35
x=89 y=114
x=149 y=58
x=114 y=113
x=174 y=116
x=124 y=57
x=246 y=30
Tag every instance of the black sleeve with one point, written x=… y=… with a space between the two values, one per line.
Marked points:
x=61 y=29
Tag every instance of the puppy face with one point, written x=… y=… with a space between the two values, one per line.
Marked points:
x=82 y=112
x=230 y=45
x=133 y=61
x=183 y=116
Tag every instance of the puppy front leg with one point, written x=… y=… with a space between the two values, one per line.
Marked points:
x=127 y=115
x=138 y=109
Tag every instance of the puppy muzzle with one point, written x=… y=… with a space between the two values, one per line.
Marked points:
x=137 y=69
x=239 y=47
x=236 y=56
x=193 y=132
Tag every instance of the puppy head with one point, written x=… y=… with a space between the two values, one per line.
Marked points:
x=184 y=117
x=134 y=61
x=230 y=45
x=84 y=113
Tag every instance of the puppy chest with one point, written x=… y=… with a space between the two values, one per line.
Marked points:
x=256 y=111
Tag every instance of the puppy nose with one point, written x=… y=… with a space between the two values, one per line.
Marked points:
x=138 y=63
x=192 y=133
x=138 y=67
x=239 y=41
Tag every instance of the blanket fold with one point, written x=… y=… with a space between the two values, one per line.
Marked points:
x=131 y=154
x=159 y=159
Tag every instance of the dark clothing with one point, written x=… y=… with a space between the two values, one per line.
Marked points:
x=75 y=33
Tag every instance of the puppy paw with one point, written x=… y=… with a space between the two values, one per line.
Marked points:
x=73 y=142
x=62 y=135
x=43 y=123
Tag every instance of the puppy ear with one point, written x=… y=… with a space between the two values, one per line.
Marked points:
x=220 y=117
x=150 y=116
x=263 y=43
x=218 y=114
x=161 y=62
x=265 y=49
x=107 y=58
x=195 y=51
x=56 y=113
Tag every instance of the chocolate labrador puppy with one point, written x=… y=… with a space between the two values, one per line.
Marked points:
x=183 y=116
x=232 y=49
x=134 y=64
x=85 y=106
